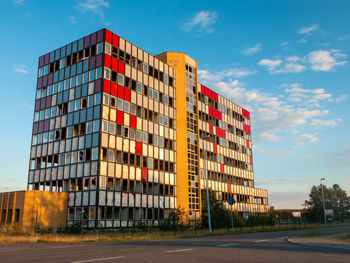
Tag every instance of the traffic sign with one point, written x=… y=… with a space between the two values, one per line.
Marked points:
x=231 y=201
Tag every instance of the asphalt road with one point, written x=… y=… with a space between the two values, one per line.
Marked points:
x=256 y=247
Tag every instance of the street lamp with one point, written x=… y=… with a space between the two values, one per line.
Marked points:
x=324 y=208
x=206 y=178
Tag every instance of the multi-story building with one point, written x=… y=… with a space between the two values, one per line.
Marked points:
x=120 y=130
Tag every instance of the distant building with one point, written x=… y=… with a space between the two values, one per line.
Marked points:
x=120 y=131
x=28 y=209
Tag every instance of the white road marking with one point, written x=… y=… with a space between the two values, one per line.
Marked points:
x=283 y=237
x=178 y=250
x=96 y=259
x=262 y=240
x=227 y=245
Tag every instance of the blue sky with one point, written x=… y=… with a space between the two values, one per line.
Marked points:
x=285 y=61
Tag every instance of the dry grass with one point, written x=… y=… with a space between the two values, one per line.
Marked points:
x=16 y=236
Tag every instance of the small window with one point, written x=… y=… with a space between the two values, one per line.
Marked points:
x=150 y=93
x=132 y=134
x=99 y=48
x=107 y=73
x=106 y=99
x=108 y=48
x=120 y=79
x=99 y=73
x=120 y=104
x=139 y=87
x=112 y=128
x=138 y=136
x=145 y=68
x=126 y=132
x=113 y=102
x=144 y=138
x=126 y=106
x=105 y=126
x=155 y=95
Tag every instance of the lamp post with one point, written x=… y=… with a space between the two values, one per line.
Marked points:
x=206 y=178
x=324 y=208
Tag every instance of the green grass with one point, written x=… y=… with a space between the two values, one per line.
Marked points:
x=320 y=234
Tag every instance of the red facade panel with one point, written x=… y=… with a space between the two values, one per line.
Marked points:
x=132 y=121
x=108 y=61
x=245 y=113
x=121 y=67
x=138 y=148
x=120 y=117
x=114 y=89
x=120 y=92
x=106 y=86
x=144 y=174
x=114 y=64
x=115 y=40
x=108 y=36
x=127 y=94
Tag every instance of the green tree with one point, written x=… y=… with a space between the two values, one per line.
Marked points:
x=335 y=198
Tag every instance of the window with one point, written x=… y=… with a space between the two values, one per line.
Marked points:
x=92 y=75
x=99 y=48
x=166 y=79
x=155 y=95
x=150 y=163
x=155 y=140
x=111 y=155
x=107 y=73
x=99 y=73
x=120 y=104
x=132 y=134
x=112 y=128
x=126 y=106
x=120 y=79
x=126 y=132
x=105 y=126
x=150 y=93
x=166 y=99
x=119 y=130
x=106 y=99
x=145 y=68
x=132 y=109
x=138 y=136
x=113 y=102
x=108 y=48
x=161 y=142
x=144 y=137
x=139 y=87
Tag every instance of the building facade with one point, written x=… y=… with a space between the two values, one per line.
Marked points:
x=120 y=131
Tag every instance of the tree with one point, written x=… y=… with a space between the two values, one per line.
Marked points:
x=335 y=198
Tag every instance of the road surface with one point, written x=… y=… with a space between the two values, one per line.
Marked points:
x=283 y=246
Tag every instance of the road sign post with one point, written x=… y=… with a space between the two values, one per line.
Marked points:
x=231 y=202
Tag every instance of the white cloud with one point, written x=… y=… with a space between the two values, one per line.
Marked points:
x=204 y=20
x=231 y=73
x=341 y=98
x=93 y=6
x=271 y=64
x=18 y=2
x=324 y=60
x=321 y=60
x=305 y=138
x=291 y=68
x=308 y=30
x=324 y=123
x=275 y=117
x=269 y=137
x=252 y=50
x=20 y=69
x=72 y=19
x=303 y=40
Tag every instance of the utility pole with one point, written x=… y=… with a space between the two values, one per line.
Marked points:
x=324 y=208
x=206 y=178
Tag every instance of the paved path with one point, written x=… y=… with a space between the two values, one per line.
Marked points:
x=283 y=246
